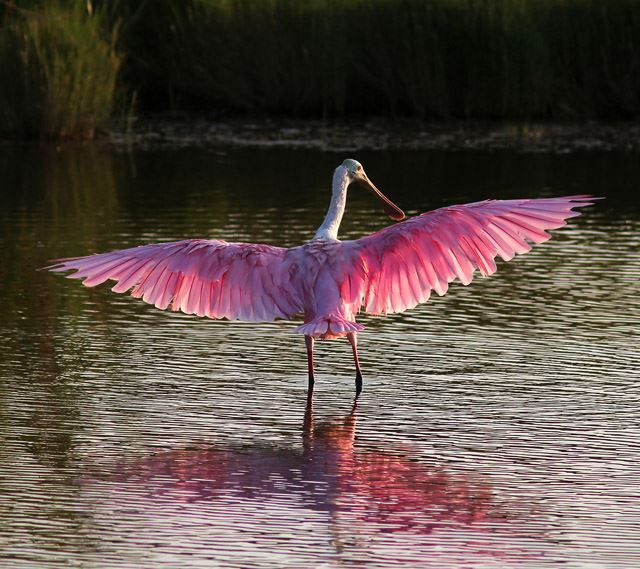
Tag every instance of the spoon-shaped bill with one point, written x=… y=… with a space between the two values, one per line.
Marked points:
x=391 y=209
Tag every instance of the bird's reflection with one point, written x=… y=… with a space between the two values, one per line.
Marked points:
x=351 y=481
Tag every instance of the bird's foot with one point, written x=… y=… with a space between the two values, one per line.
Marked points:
x=310 y=389
x=358 y=383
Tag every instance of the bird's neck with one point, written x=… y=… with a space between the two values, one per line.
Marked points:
x=329 y=228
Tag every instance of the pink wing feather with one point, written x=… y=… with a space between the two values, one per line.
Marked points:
x=406 y=261
x=198 y=276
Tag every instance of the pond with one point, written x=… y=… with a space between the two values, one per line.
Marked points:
x=499 y=425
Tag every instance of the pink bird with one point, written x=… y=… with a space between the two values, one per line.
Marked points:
x=327 y=280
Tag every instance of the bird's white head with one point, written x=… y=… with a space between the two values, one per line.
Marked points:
x=353 y=167
x=356 y=173
x=348 y=172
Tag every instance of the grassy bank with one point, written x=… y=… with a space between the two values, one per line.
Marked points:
x=58 y=71
x=434 y=59
x=428 y=59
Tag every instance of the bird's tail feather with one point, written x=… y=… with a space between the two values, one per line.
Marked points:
x=330 y=326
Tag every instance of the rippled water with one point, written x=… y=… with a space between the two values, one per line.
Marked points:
x=499 y=425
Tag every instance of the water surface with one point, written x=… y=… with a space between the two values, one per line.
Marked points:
x=498 y=426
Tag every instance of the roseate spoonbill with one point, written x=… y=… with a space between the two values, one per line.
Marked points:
x=327 y=280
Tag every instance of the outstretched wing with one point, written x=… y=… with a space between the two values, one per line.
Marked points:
x=239 y=281
x=403 y=263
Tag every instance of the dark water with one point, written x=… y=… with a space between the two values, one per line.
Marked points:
x=499 y=425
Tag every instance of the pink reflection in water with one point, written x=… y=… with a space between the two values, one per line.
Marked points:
x=386 y=487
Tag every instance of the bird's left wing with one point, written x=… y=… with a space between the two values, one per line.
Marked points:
x=238 y=281
x=401 y=264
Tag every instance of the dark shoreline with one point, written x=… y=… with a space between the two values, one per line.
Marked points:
x=378 y=135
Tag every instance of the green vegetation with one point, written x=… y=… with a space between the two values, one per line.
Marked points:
x=433 y=59
x=58 y=72
x=426 y=59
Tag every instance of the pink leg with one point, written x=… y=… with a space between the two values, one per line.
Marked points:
x=353 y=340
x=309 y=341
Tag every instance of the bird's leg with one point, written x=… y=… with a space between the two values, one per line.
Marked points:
x=310 y=341
x=353 y=340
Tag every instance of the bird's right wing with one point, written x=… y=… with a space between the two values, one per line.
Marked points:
x=238 y=281
x=401 y=264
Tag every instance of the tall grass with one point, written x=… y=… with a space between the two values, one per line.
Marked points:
x=58 y=71
x=418 y=58
x=424 y=59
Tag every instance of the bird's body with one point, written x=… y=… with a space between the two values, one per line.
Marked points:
x=326 y=280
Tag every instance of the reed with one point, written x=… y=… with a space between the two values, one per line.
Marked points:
x=58 y=71
x=442 y=59
x=422 y=59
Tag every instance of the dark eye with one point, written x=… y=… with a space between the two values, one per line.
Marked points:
x=359 y=167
